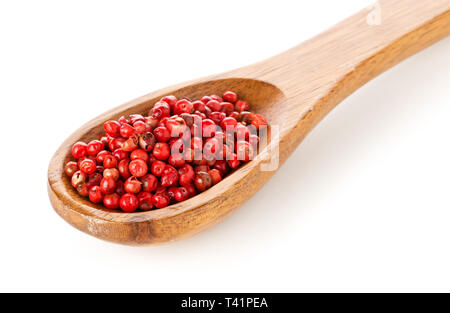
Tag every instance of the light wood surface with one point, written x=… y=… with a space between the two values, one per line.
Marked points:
x=294 y=90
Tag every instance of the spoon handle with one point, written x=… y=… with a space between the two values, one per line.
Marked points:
x=357 y=49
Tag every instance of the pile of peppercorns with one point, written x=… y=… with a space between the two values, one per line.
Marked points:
x=182 y=148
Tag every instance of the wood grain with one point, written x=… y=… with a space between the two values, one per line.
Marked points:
x=294 y=90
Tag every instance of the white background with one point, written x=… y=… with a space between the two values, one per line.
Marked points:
x=362 y=205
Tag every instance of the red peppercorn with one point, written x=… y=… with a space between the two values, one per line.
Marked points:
x=116 y=143
x=201 y=168
x=147 y=141
x=120 y=188
x=94 y=147
x=131 y=143
x=242 y=132
x=199 y=159
x=112 y=128
x=208 y=128
x=133 y=185
x=162 y=122
x=181 y=194
x=140 y=127
x=88 y=166
x=158 y=168
x=152 y=122
x=241 y=106
x=205 y=99
x=216 y=97
x=89 y=157
x=111 y=172
x=246 y=117
x=191 y=190
x=161 y=151
x=197 y=118
x=208 y=111
x=94 y=180
x=161 y=133
x=199 y=106
x=210 y=162
x=83 y=190
x=227 y=150
x=162 y=191
x=177 y=146
x=160 y=201
x=226 y=107
x=229 y=96
x=188 y=155
x=161 y=110
x=183 y=106
x=70 y=168
x=215 y=176
x=145 y=201
x=108 y=185
x=151 y=159
x=139 y=154
x=211 y=148
x=244 y=151
x=170 y=169
x=214 y=105
x=129 y=202
x=222 y=166
x=104 y=141
x=169 y=179
x=123 y=120
x=202 y=181
x=78 y=178
x=186 y=174
x=177 y=160
x=217 y=117
x=124 y=170
x=120 y=155
x=126 y=130
x=111 y=201
x=136 y=118
x=109 y=161
x=176 y=126
x=149 y=183
x=234 y=162
x=100 y=156
x=138 y=168
x=197 y=144
x=95 y=194
x=259 y=121
x=199 y=114
x=228 y=124
x=170 y=100
x=79 y=150
x=170 y=193
x=188 y=119
x=220 y=136
x=234 y=114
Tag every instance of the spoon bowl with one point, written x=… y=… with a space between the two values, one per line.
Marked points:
x=293 y=90
x=163 y=224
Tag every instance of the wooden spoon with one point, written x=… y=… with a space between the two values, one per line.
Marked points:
x=294 y=90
